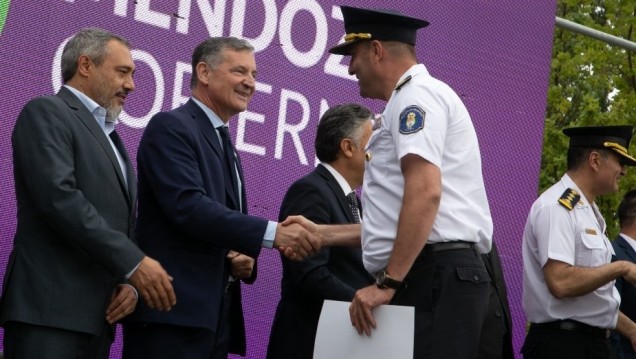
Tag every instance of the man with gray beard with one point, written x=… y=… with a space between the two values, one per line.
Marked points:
x=74 y=266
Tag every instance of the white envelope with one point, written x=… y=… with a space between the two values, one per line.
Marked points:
x=338 y=339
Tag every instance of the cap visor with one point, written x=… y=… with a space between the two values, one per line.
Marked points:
x=626 y=159
x=342 y=49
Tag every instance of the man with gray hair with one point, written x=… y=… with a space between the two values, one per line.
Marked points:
x=193 y=213
x=324 y=196
x=66 y=282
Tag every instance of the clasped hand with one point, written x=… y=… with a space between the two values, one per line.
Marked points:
x=297 y=238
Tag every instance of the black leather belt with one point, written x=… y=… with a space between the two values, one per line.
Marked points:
x=447 y=246
x=574 y=326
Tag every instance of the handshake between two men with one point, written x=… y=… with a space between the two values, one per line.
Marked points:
x=296 y=238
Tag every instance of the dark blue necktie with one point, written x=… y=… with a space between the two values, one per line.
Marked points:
x=230 y=160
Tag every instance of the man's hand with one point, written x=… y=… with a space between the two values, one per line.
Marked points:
x=307 y=224
x=364 y=301
x=154 y=284
x=630 y=274
x=242 y=265
x=122 y=303
x=294 y=240
x=627 y=328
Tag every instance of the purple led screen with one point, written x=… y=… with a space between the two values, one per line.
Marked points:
x=496 y=55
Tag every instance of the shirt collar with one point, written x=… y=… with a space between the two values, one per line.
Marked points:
x=216 y=120
x=94 y=108
x=628 y=237
x=417 y=69
x=344 y=185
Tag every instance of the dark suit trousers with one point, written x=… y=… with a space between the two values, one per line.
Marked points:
x=154 y=340
x=22 y=340
x=449 y=290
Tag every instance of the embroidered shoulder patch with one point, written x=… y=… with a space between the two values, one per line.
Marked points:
x=412 y=120
x=569 y=198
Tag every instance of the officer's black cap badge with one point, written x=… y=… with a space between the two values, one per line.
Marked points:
x=569 y=198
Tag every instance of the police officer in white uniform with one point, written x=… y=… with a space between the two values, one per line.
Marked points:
x=568 y=286
x=426 y=212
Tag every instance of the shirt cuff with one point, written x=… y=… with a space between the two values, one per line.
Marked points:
x=132 y=271
x=133 y=289
x=270 y=234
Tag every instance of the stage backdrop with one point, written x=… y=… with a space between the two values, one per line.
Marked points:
x=495 y=54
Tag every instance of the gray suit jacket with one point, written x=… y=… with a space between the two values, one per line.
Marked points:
x=75 y=218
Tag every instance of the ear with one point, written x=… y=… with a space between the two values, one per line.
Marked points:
x=203 y=72
x=84 y=65
x=376 y=50
x=594 y=160
x=347 y=147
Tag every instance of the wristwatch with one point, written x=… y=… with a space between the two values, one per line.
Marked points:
x=383 y=281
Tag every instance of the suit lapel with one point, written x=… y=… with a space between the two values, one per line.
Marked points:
x=91 y=124
x=209 y=132
x=239 y=166
x=337 y=190
x=130 y=173
x=627 y=248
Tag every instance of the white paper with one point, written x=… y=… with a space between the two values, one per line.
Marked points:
x=338 y=339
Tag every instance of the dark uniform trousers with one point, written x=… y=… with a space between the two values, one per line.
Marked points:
x=543 y=342
x=449 y=289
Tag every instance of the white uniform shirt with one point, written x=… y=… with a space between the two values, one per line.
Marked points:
x=448 y=140
x=576 y=237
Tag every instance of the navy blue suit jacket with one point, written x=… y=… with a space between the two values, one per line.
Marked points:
x=625 y=252
x=187 y=217
x=333 y=273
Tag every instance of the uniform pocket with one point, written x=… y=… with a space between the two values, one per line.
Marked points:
x=476 y=275
x=591 y=251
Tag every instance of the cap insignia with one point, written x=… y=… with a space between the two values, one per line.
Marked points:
x=357 y=36
x=615 y=146
x=569 y=198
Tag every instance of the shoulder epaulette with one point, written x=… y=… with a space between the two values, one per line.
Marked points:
x=569 y=198
x=403 y=82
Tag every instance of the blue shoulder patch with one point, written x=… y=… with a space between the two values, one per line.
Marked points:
x=412 y=120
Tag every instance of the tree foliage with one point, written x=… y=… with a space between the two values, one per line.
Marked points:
x=591 y=84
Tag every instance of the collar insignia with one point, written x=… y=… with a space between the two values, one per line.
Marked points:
x=403 y=82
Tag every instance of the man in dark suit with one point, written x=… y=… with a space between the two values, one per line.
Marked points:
x=193 y=213
x=625 y=249
x=64 y=285
x=325 y=196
